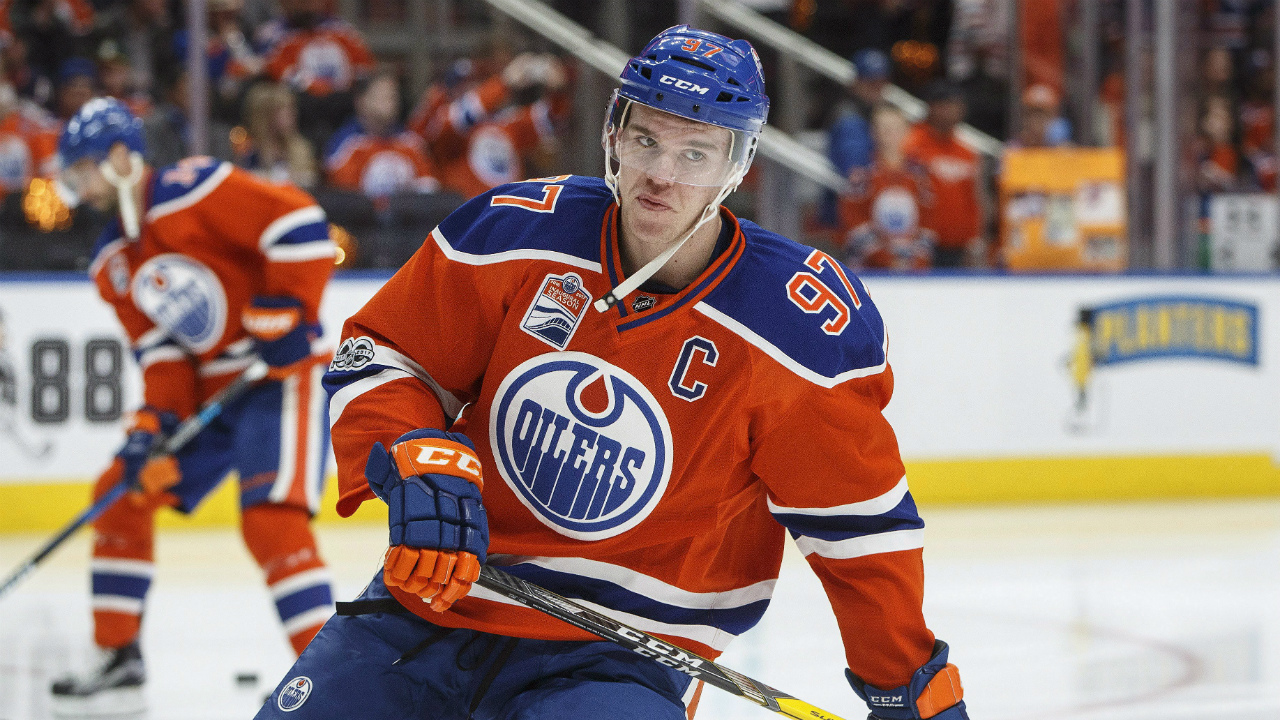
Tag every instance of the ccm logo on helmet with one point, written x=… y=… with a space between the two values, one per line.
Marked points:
x=684 y=84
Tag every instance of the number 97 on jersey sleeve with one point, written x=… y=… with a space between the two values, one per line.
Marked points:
x=809 y=293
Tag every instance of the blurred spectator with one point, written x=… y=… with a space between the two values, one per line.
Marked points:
x=53 y=30
x=273 y=148
x=887 y=210
x=483 y=138
x=25 y=80
x=320 y=56
x=954 y=172
x=168 y=128
x=849 y=138
x=28 y=141
x=1218 y=159
x=313 y=51
x=373 y=153
x=1257 y=121
x=232 y=61
x=462 y=75
x=116 y=77
x=1041 y=124
x=1217 y=74
x=77 y=84
x=145 y=30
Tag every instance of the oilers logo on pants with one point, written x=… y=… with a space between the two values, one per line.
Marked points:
x=582 y=443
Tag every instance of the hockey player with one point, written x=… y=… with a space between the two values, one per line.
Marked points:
x=207 y=268
x=655 y=393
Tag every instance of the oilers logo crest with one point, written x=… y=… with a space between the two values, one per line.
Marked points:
x=582 y=443
x=183 y=297
x=556 y=309
x=294 y=693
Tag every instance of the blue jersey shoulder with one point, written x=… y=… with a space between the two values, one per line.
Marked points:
x=561 y=215
x=805 y=304
x=187 y=176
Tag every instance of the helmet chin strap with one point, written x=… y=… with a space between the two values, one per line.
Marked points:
x=124 y=191
x=650 y=268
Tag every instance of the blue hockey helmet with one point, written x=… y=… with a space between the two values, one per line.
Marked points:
x=701 y=76
x=96 y=128
x=696 y=75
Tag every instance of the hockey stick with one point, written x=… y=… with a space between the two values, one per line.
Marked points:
x=638 y=641
x=182 y=435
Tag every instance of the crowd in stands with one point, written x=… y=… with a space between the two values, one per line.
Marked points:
x=296 y=96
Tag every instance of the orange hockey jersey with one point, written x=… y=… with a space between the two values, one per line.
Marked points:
x=479 y=147
x=954 y=171
x=28 y=147
x=319 y=61
x=213 y=236
x=648 y=460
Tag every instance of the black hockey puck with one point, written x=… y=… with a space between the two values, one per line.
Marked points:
x=246 y=678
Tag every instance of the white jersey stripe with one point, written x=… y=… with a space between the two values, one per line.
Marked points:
x=874 y=506
x=302 y=252
x=117 y=603
x=315 y=450
x=338 y=403
x=785 y=360
x=705 y=634
x=308 y=619
x=287 y=586
x=288 y=441
x=645 y=585
x=524 y=254
x=383 y=355
x=122 y=566
x=192 y=196
x=893 y=541
x=159 y=354
x=289 y=222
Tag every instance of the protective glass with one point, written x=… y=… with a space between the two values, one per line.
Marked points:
x=671 y=148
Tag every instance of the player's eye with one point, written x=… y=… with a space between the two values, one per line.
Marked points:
x=646 y=142
x=694 y=155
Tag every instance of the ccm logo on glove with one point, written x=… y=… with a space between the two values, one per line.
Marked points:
x=417 y=457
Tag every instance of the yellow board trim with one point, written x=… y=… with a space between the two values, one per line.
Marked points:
x=51 y=505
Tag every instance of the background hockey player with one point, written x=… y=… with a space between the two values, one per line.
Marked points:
x=207 y=268
x=656 y=393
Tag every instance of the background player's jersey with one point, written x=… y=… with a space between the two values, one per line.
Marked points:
x=646 y=460
x=213 y=236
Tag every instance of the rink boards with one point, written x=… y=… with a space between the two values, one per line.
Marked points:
x=1008 y=389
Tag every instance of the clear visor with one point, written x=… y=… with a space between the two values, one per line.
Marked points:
x=668 y=147
x=73 y=180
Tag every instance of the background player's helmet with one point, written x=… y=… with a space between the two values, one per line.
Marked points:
x=698 y=75
x=99 y=125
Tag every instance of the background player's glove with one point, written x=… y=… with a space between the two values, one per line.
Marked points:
x=150 y=478
x=275 y=323
x=431 y=481
x=934 y=691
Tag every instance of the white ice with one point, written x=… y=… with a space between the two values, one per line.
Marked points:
x=1164 y=611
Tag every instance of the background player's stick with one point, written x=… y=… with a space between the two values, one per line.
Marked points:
x=638 y=641
x=182 y=435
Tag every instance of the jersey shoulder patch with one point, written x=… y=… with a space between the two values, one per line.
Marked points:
x=557 y=218
x=802 y=307
x=185 y=183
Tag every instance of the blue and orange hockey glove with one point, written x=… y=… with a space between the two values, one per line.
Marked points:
x=149 y=478
x=281 y=338
x=431 y=481
x=934 y=691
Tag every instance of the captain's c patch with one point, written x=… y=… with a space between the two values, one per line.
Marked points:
x=556 y=310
